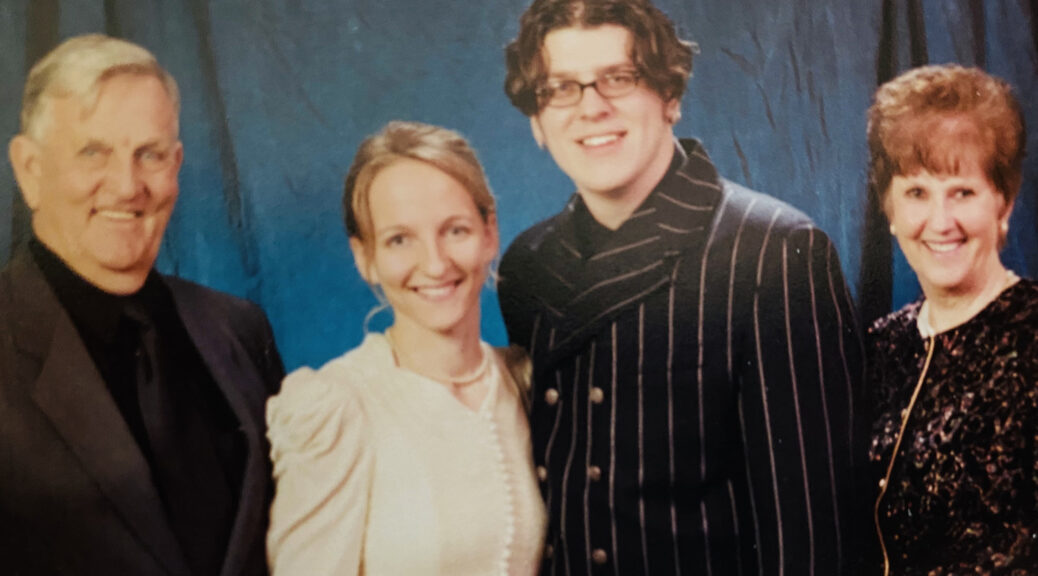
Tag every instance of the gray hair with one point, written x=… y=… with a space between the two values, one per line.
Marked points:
x=77 y=67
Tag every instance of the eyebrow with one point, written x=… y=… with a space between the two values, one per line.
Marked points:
x=598 y=71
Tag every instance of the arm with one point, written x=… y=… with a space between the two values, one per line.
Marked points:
x=322 y=468
x=801 y=405
x=515 y=309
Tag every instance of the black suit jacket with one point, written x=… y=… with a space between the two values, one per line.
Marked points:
x=695 y=383
x=76 y=495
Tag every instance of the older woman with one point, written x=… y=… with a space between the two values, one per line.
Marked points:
x=955 y=375
x=409 y=454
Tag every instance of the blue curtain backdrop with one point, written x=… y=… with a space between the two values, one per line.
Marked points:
x=278 y=94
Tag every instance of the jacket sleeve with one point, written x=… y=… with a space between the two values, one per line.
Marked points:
x=801 y=384
x=322 y=467
x=516 y=309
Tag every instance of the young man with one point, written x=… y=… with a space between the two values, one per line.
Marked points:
x=696 y=355
x=131 y=403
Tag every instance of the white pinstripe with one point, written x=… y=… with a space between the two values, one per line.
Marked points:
x=569 y=462
x=731 y=290
x=670 y=418
x=764 y=395
x=641 y=435
x=587 y=455
x=612 y=456
x=796 y=408
x=843 y=355
x=825 y=401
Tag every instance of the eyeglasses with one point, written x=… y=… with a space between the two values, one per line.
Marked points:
x=563 y=93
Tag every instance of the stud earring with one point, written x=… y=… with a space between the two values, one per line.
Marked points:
x=893 y=231
x=1004 y=226
x=674 y=118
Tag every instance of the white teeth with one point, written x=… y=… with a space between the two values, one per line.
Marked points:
x=436 y=291
x=942 y=246
x=117 y=214
x=600 y=140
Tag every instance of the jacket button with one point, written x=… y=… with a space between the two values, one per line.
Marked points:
x=542 y=473
x=597 y=395
x=599 y=556
x=551 y=396
x=594 y=473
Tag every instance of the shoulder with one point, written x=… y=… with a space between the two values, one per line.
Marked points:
x=343 y=378
x=191 y=296
x=518 y=364
x=523 y=254
x=530 y=240
x=1016 y=310
x=760 y=211
x=314 y=406
x=894 y=326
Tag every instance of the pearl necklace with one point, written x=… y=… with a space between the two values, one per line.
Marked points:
x=455 y=382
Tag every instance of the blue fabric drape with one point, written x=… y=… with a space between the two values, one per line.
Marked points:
x=277 y=94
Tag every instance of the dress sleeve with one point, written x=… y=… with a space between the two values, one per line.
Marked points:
x=801 y=402
x=322 y=469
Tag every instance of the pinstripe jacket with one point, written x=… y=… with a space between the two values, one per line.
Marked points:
x=695 y=380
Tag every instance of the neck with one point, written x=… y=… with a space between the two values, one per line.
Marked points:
x=946 y=310
x=439 y=355
x=612 y=208
x=118 y=282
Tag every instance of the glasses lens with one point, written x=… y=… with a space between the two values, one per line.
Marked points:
x=617 y=84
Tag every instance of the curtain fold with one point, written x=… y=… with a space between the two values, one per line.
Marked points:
x=277 y=94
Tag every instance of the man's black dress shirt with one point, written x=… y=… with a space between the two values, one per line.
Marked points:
x=198 y=468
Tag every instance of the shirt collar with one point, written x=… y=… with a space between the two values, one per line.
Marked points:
x=95 y=312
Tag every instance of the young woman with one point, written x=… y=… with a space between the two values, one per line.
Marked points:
x=410 y=454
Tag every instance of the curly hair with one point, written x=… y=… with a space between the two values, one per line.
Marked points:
x=936 y=118
x=663 y=59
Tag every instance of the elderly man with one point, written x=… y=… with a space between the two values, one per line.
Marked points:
x=131 y=403
x=696 y=354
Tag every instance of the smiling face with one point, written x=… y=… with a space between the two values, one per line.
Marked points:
x=101 y=181
x=429 y=248
x=614 y=150
x=949 y=227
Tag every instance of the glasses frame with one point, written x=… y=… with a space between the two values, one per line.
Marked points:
x=547 y=92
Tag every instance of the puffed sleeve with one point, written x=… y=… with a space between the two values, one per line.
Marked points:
x=322 y=470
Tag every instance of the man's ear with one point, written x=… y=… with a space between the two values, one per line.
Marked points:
x=538 y=134
x=363 y=263
x=24 y=154
x=179 y=158
x=672 y=111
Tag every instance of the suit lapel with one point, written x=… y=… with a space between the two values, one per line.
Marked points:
x=580 y=291
x=234 y=371
x=70 y=391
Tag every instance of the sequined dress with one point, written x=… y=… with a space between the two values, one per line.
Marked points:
x=961 y=498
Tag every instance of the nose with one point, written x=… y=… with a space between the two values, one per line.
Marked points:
x=941 y=218
x=123 y=178
x=593 y=105
x=434 y=261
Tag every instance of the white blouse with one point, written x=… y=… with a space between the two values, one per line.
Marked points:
x=382 y=471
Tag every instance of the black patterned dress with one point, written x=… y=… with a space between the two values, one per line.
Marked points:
x=961 y=497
